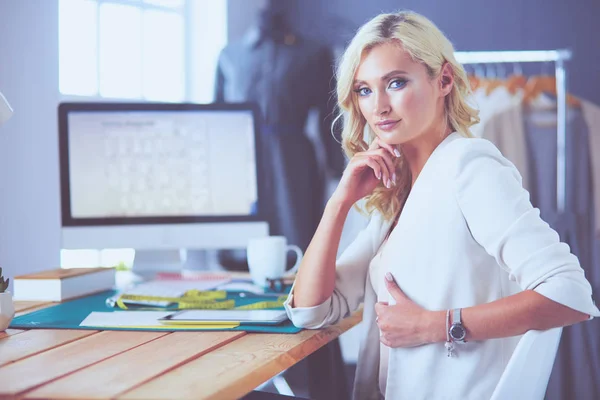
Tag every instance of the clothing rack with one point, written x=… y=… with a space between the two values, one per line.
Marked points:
x=558 y=57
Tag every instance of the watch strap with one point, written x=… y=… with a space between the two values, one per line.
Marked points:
x=456 y=316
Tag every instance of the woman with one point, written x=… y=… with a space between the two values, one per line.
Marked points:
x=454 y=254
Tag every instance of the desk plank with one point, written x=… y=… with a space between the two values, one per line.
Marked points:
x=10 y=332
x=35 y=341
x=239 y=367
x=310 y=341
x=44 y=367
x=125 y=371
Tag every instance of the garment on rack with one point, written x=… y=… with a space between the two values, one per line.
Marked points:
x=591 y=113
x=528 y=138
x=505 y=129
x=286 y=77
x=488 y=105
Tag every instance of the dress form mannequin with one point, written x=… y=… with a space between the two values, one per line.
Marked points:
x=288 y=76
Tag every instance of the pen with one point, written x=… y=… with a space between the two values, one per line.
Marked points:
x=250 y=294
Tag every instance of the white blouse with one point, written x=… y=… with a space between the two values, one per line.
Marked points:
x=376 y=274
x=467 y=235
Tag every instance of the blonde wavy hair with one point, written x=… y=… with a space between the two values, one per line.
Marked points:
x=426 y=44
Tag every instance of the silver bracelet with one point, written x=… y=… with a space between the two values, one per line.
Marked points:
x=449 y=344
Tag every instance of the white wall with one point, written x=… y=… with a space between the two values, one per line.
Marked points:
x=29 y=182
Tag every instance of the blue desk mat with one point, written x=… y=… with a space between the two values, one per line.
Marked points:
x=70 y=314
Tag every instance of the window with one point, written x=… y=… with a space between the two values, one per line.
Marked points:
x=140 y=49
x=155 y=50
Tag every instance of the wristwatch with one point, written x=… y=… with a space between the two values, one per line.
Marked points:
x=457 y=331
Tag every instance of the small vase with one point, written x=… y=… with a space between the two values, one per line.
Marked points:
x=7 y=310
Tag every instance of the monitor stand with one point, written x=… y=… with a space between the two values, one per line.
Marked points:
x=147 y=263
x=202 y=260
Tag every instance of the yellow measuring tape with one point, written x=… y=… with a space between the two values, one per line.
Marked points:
x=194 y=299
x=264 y=304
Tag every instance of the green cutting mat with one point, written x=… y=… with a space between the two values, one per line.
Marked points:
x=68 y=315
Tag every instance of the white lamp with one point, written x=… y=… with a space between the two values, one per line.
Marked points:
x=5 y=111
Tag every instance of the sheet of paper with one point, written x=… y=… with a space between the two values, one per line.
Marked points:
x=124 y=318
x=140 y=319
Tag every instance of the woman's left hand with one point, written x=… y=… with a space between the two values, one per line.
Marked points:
x=401 y=325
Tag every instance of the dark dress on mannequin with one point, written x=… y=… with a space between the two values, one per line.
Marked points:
x=286 y=76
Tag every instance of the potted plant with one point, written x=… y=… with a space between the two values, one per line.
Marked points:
x=7 y=308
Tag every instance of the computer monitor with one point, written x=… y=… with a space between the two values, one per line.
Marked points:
x=154 y=176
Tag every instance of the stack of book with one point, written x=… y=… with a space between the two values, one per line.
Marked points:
x=62 y=284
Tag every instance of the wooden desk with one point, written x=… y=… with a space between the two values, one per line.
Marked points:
x=67 y=364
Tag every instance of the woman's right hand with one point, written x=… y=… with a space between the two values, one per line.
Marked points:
x=365 y=170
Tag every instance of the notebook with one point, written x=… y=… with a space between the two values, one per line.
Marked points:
x=255 y=317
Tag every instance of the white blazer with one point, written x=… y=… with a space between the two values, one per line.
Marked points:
x=468 y=235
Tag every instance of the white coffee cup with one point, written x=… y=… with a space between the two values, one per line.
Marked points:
x=267 y=258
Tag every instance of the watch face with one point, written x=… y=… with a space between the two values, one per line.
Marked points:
x=457 y=332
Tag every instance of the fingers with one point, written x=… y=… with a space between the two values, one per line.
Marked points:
x=382 y=168
x=393 y=288
x=380 y=306
x=395 y=291
x=392 y=150
x=384 y=341
x=387 y=153
x=382 y=157
x=383 y=165
x=391 y=168
x=384 y=334
x=375 y=166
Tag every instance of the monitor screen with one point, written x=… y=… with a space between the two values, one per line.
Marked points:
x=148 y=163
